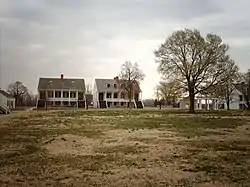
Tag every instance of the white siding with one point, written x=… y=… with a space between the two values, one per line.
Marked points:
x=234 y=100
x=3 y=101
x=95 y=96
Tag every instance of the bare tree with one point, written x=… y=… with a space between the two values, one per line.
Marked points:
x=131 y=76
x=88 y=89
x=170 y=91
x=245 y=87
x=19 y=91
x=158 y=100
x=224 y=90
x=196 y=62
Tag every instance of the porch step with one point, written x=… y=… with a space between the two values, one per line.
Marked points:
x=4 y=110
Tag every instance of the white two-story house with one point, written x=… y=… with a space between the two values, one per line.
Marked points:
x=237 y=99
x=7 y=102
x=61 y=92
x=109 y=93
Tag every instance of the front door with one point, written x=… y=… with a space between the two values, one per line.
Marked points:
x=136 y=97
x=101 y=96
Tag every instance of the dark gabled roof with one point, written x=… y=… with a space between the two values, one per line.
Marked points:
x=6 y=94
x=101 y=84
x=57 y=83
x=241 y=87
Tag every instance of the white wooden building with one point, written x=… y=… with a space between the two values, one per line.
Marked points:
x=7 y=102
x=61 y=92
x=110 y=93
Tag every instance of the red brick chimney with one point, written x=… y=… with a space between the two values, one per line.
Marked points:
x=61 y=76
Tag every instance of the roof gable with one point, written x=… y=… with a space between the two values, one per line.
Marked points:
x=6 y=94
x=57 y=83
x=101 y=84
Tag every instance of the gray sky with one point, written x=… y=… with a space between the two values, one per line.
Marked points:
x=92 y=38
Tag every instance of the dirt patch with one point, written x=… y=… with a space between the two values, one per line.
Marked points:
x=215 y=184
x=160 y=145
x=121 y=134
x=244 y=129
x=142 y=177
x=72 y=144
x=11 y=149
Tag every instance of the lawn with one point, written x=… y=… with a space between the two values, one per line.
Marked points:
x=125 y=148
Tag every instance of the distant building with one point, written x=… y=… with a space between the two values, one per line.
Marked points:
x=110 y=93
x=237 y=99
x=61 y=92
x=149 y=102
x=185 y=103
x=7 y=102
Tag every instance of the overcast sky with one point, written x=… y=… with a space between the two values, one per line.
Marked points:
x=92 y=38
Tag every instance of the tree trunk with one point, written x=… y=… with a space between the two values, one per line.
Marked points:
x=228 y=97
x=130 y=99
x=228 y=104
x=191 y=100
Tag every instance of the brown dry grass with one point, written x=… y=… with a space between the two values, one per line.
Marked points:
x=124 y=148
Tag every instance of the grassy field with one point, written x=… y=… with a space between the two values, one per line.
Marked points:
x=125 y=148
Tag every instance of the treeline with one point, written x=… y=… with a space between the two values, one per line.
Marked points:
x=21 y=94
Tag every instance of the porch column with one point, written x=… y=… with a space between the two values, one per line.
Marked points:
x=208 y=104
x=46 y=99
x=197 y=104
x=61 y=98
x=77 y=99
x=69 y=97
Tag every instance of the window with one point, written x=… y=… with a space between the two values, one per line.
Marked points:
x=72 y=84
x=108 y=95
x=109 y=104
x=65 y=103
x=80 y=95
x=123 y=95
x=50 y=94
x=115 y=103
x=122 y=103
x=66 y=94
x=49 y=103
x=115 y=86
x=42 y=95
x=115 y=95
x=108 y=85
x=73 y=103
x=72 y=94
x=241 y=98
x=58 y=94
x=58 y=103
